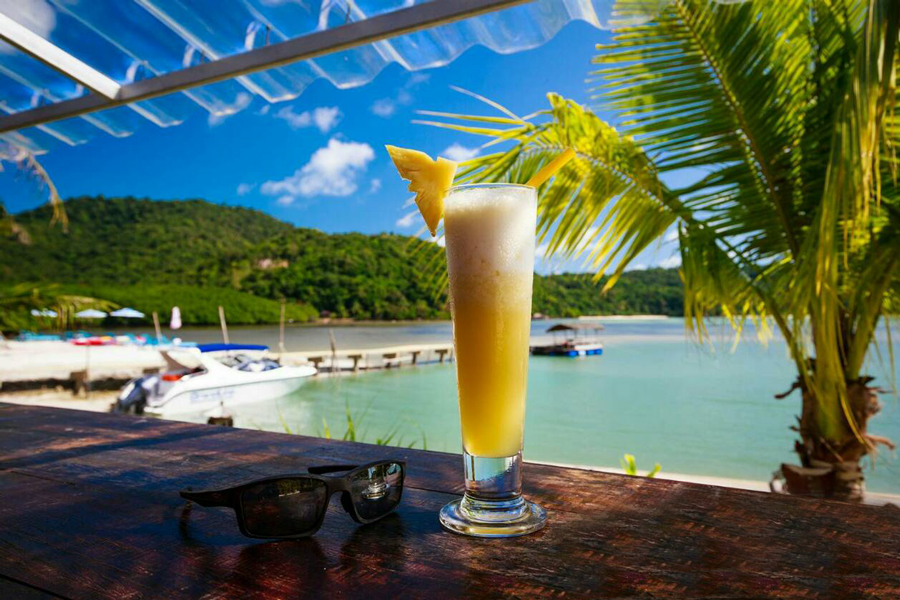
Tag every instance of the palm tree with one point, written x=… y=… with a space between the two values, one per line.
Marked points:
x=10 y=228
x=788 y=108
x=27 y=164
x=17 y=301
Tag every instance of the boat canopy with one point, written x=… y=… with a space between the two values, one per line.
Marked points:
x=575 y=327
x=230 y=347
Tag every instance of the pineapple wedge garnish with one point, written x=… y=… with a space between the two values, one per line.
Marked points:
x=429 y=179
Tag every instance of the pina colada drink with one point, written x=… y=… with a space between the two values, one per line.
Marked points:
x=489 y=231
x=490 y=259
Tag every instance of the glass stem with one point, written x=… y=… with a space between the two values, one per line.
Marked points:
x=493 y=487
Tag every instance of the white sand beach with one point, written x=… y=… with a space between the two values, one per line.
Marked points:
x=22 y=361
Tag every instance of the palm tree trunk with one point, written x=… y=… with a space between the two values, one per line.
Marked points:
x=831 y=467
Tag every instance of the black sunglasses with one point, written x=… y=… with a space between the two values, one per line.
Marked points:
x=293 y=506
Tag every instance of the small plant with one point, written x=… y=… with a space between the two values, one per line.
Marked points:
x=353 y=423
x=630 y=466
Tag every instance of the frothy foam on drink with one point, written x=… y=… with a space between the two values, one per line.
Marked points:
x=490 y=230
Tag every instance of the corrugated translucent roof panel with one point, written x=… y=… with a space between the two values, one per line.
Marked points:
x=130 y=41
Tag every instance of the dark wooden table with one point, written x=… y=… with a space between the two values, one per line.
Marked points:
x=90 y=509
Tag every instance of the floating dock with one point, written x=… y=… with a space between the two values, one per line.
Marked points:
x=578 y=339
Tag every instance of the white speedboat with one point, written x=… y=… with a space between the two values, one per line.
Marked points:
x=210 y=379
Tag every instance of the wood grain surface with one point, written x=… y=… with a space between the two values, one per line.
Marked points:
x=90 y=509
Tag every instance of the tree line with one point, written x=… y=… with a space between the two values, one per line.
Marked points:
x=152 y=255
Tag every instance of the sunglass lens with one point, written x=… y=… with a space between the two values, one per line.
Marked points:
x=376 y=491
x=283 y=507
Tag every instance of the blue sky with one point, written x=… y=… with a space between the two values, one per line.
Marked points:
x=319 y=161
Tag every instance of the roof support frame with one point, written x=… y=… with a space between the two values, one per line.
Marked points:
x=56 y=58
x=392 y=24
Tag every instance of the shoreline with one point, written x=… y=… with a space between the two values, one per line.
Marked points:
x=102 y=402
x=752 y=485
x=620 y=318
x=329 y=322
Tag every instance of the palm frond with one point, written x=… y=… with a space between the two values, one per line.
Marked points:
x=31 y=165
x=717 y=87
x=788 y=110
x=592 y=205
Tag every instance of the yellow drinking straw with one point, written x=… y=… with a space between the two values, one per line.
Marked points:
x=550 y=170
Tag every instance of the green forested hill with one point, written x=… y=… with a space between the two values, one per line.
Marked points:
x=126 y=240
x=650 y=292
x=349 y=275
x=151 y=254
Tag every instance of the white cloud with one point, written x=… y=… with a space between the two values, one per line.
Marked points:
x=459 y=153
x=588 y=240
x=672 y=236
x=265 y=110
x=384 y=108
x=331 y=171
x=241 y=101
x=245 y=188
x=404 y=97
x=637 y=267
x=671 y=262
x=294 y=120
x=541 y=251
x=325 y=118
x=374 y=185
x=407 y=220
x=35 y=15
x=285 y=200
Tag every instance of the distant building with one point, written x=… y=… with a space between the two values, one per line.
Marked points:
x=271 y=263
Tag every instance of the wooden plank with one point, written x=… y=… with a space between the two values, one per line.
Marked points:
x=13 y=589
x=91 y=510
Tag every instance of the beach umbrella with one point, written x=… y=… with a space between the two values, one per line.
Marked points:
x=46 y=312
x=127 y=313
x=90 y=314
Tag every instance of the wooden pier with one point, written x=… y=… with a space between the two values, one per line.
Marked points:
x=366 y=359
x=49 y=365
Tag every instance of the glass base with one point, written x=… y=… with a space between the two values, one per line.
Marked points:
x=493 y=522
x=493 y=505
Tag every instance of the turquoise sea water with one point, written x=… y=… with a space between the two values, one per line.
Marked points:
x=653 y=393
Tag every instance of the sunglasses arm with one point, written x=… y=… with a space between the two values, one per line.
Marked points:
x=214 y=498
x=330 y=469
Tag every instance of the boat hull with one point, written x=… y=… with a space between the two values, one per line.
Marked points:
x=568 y=350
x=210 y=399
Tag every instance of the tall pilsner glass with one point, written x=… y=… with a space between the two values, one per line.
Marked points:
x=490 y=231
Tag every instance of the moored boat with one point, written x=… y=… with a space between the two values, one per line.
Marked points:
x=209 y=379
x=572 y=339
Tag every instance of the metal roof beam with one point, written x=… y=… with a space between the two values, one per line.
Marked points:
x=392 y=24
x=55 y=57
